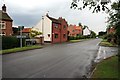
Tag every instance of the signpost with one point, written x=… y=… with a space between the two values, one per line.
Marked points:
x=21 y=27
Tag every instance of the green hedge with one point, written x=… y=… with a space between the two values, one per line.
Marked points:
x=78 y=37
x=9 y=42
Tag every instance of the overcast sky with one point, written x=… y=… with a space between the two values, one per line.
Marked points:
x=29 y=12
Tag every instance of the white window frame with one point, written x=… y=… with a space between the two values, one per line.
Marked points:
x=1 y=34
x=2 y=23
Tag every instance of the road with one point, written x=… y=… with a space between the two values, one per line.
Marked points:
x=67 y=60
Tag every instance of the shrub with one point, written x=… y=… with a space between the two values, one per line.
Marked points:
x=9 y=42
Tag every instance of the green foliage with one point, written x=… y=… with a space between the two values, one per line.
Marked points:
x=20 y=49
x=34 y=33
x=114 y=18
x=93 y=34
x=78 y=37
x=9 y=42
x=96 y=5
x=102 y=33
x=107 y=69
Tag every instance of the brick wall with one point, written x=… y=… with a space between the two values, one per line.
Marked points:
x=8 y=30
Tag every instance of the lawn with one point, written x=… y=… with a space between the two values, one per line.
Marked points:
x=106 y=44
x=107 y=68
x=19 y=49
x=73 y=41
x=79 y=40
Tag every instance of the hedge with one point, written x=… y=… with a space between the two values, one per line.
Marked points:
x=9 y=42
x=78 y=37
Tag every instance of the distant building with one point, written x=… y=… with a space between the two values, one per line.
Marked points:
x=110 y=30
x=54 y=30
x=86 y=31
x=74 y=30
x=26 y=32
x=5 y=23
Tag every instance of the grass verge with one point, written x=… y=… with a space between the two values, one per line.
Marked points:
x=106 y=44
x=73 y=41
x=19 y=49
x=107 y=68
x=79 y=40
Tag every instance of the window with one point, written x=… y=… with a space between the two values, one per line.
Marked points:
x=48 y=35
x=64 y=27
x=2 y=25
x=77 y=34
x=56 y=25
x=56 y=35
x=2 y=34
x=64 y=35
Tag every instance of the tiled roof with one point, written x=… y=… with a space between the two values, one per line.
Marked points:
x=4 y=16
x=26 y=30
x=78 y=27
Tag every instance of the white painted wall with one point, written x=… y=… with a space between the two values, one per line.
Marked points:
x=47 y=28
x=86 y=31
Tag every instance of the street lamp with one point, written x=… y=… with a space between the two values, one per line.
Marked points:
x=42 y=38
x=42 y=24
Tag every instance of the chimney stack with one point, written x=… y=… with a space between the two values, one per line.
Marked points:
x=4 y=8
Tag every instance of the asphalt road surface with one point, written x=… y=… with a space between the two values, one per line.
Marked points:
x=67 y=60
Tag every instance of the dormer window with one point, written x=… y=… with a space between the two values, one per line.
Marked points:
x=2 y=25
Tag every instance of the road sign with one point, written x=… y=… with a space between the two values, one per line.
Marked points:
x=21 y=36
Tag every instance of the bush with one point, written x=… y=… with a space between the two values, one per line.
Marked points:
x=9 y=42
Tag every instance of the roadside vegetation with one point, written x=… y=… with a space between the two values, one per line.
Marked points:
x=105 y=43
x=73 y=41
x=107 y=68
x=13 y=50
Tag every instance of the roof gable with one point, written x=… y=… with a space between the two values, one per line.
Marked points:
x=54 y=20
x=4 y=16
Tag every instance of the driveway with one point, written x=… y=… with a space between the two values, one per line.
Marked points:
x=67 y=60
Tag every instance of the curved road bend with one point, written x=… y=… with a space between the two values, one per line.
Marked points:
x=69 y=60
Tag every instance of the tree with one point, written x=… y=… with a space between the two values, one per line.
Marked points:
x=34 y=33
x=96 y=5
x=92 y=34
x=102 y=5
x=101 y=33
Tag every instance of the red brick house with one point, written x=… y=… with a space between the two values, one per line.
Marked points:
x=54 y=30
x=74 y=30
x=5 y=23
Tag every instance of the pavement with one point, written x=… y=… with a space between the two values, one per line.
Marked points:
x=67 y=60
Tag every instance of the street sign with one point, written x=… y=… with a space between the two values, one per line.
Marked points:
x=21 y=36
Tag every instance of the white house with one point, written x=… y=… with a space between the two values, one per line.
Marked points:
x=86 y=31
x=53 y=30
x=44 y=26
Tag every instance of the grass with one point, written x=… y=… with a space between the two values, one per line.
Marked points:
x=106 y=43
x=19 y=49
x=73 y=41
x=79 y=40
x=107 y=68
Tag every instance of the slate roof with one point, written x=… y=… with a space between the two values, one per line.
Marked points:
x=54 y=20
x=4 y=16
